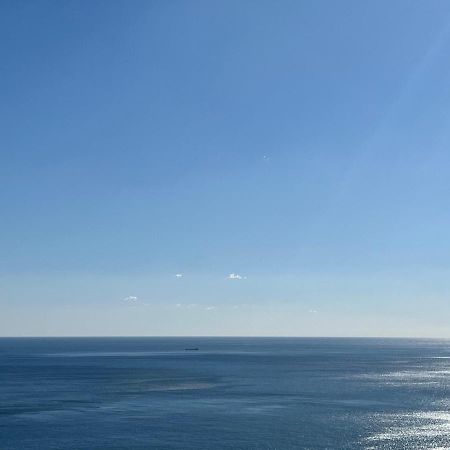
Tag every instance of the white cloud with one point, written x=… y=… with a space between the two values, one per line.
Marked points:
x=236 y=276
x=313 y=311
x=210 y=308
x=179 y=275
x=130 y=299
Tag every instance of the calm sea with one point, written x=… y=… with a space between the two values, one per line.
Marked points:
x=233 y=393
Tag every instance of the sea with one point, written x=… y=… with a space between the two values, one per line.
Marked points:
x=230 y=393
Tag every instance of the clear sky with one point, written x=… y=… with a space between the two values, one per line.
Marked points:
x=302 y=146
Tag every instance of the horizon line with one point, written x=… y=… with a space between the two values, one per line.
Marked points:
x=215 y=336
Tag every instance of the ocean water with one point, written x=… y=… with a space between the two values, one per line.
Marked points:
x=233 y=393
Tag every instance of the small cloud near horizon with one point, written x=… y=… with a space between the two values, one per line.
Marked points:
x=130 y=299
x=178 y=275
x=236 y=276
x=186 y=306
x=210 y=308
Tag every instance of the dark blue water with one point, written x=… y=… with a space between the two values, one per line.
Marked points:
x=252 y=393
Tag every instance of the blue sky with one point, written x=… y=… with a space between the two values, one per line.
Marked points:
x=303 y=145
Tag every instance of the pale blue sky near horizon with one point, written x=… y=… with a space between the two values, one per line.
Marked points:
x=303 y=145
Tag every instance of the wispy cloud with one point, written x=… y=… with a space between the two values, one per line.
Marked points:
x=236 y=276
x=312 y=311
x=130 y=299
x=194 y=306
x=178 y=275
x=240 y=305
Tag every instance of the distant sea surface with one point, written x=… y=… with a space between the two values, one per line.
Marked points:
x=232 y=393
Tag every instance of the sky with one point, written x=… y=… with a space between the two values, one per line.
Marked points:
x=225 y=168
